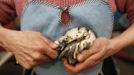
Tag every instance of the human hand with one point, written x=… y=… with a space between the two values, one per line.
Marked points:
x=101 y=49
x=29 y=48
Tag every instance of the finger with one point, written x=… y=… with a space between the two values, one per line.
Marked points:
x=38 y=62
x=45 y=58
x=90 y=62
x=39 y=57
x=104 y=44
x=27 y=64
x=24 y=55
x=22 y=62
x=84 y=55
x=87 y=53
x=100 y=55
x=35 y=59
x=43 y=48
x=84 y=66
x=69 y=67
x=97 y=46
x=49 y=52
x=73 y=69
x=50 y=43
x=18 y=59
x=80 y=67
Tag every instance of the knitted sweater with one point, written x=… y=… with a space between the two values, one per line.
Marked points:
x=10 y=9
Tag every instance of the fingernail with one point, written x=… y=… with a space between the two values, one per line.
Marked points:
x=54 y=46
x=80 y=57
x=17 y=62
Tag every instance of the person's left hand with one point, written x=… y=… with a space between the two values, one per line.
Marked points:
x=101 y=49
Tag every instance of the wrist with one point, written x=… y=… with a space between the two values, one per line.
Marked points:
x=3 y=33
x=115 y=46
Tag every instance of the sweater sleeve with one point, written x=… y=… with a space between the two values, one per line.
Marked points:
x=126 y=6
x=7 y=11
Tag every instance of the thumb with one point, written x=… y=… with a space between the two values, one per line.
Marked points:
x=50 y=43
x=84 y=55
x=87 y=53
x=53 y=45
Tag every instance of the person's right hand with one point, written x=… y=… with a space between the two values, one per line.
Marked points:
x=29 y=48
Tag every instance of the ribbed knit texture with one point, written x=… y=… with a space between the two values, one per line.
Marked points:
x=64 y=3
x=9 y=9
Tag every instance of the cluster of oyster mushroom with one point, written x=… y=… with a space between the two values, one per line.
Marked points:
x=74 y=42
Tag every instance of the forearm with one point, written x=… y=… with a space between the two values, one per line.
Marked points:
x=1 y=35
x=126 y=38
x=123 y=40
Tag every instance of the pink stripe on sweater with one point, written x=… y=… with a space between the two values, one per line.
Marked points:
x=10 y=6
x=113 y=5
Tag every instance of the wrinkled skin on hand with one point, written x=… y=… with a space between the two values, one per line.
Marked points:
x=30 y=48
x=76 y=40
x=101 y=49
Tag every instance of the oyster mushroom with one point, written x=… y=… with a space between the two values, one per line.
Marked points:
x=75 y=41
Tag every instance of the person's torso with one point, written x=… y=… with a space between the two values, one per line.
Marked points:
x=44 y=17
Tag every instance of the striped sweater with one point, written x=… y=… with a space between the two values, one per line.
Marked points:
x=10 y=9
